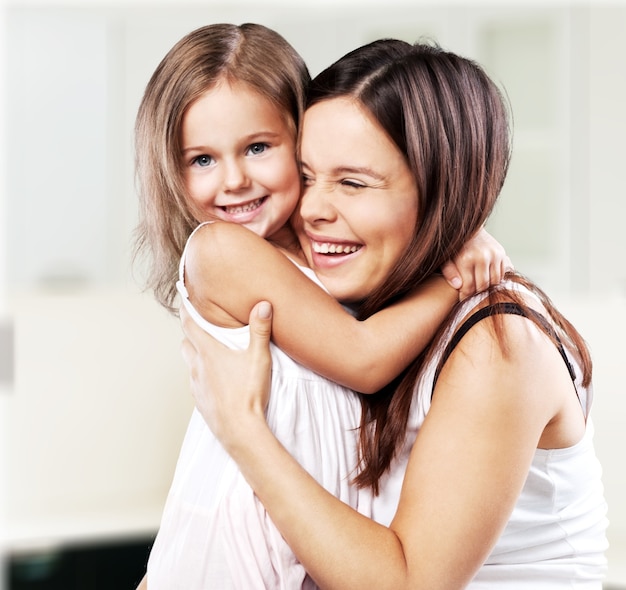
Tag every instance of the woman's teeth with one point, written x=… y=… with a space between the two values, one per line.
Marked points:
x=328 y=248
x=234 y=209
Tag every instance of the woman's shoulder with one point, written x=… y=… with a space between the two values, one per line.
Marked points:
x=508 y=321
x=509 y=299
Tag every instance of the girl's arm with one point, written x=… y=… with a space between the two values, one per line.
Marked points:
x=488 y=415
x=481 y=263
x=229 y=268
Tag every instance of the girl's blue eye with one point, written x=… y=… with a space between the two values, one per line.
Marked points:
x=202 y=160
x=257 y=148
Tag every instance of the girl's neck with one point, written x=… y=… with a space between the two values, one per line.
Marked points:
x=286 y=240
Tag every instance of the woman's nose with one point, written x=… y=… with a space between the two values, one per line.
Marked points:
x=316 y=204
x=235 y=176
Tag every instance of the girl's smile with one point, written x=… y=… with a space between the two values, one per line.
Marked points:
x=239 y=160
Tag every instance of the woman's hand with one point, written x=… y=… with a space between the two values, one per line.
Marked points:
x=481 y=263
x=230 y=387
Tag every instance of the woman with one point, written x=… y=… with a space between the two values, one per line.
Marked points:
x=502 y=488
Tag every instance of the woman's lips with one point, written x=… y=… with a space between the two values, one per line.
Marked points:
x=328 y=253
x=334 y=248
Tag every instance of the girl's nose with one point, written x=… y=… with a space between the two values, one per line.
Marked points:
x=316 y=204
x=235 y=176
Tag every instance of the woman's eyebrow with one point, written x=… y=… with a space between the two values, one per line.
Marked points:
x=366 y=170
x=342 y=170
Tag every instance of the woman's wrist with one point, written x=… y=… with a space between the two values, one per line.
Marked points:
x=238 y=435
x=247 y=442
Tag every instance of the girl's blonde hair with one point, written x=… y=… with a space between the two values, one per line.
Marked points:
x=249 y=53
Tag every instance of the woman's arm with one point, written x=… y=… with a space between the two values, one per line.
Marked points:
x=229 y=269
x=465 y=472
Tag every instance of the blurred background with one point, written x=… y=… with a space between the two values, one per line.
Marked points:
x=93 y=393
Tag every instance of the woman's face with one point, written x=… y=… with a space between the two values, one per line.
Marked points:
x=359 y=206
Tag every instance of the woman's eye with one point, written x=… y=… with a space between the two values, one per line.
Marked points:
x=307 y=180
x=257 y=148
x=352 y=183
x=203 y=161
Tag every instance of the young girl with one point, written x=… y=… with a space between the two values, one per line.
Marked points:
x=486 y=443
x=216 y=140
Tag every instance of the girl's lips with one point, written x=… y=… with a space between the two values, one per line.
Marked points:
x=241 y=213
x=243 y=207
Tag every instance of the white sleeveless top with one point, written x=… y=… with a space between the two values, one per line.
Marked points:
x=214 y=533
x=556 y=535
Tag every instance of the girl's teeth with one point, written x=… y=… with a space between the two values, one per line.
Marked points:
x=243 y=208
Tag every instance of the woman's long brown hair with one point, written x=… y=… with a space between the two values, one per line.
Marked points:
x=451 y=122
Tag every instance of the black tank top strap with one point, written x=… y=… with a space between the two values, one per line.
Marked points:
x=495 y=309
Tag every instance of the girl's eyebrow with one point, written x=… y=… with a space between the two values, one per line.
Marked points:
x=195 y=149
x=252 y=138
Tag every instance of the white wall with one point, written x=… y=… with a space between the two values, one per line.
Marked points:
x=607 y=151
x=600 y=319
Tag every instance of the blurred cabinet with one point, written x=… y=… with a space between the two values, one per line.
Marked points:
x=70 y=200
x=95 y=420
x=533 y=215
x=59 y=206
x=98 y=378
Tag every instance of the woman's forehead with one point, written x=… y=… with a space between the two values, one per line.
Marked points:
x=339 y=133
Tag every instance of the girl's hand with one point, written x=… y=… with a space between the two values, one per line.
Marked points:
x=230 y=387
x=481 y=263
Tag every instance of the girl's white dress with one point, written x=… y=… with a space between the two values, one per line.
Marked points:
x=214 y=533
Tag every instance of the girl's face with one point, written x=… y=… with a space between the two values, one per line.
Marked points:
x=359 y=206
x=238 y=157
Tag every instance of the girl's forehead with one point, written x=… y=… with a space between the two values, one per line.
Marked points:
x=244 y=95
